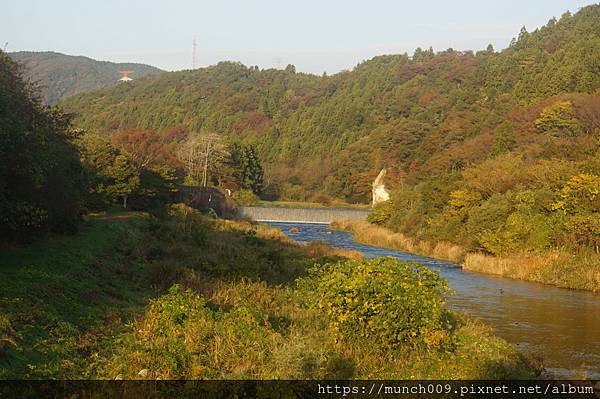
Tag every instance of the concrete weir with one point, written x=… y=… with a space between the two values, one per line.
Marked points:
x=300 y=215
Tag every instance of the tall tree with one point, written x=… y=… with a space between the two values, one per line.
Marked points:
x=142 y=146
x=41 y=185
x=202 y=156
x=247 y=168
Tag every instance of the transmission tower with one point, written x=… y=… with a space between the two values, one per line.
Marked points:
x=194 y=45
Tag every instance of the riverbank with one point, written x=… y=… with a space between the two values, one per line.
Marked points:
x=185 y=296
x=561 y=269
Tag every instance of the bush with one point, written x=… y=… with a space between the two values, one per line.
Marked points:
x=522 y=231
x=580 y=194
x=583 y=230
x=245 y=197
x=7 y=334
x=321 y=198
x=381 y=213
x=183 y=336
x=386 y=301
x=292 y=192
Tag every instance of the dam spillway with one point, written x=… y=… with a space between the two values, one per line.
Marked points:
x=300 y=215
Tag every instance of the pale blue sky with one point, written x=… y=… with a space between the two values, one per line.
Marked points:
x=316 y=36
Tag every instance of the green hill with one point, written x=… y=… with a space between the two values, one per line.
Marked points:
x=420 y=115
x=61 y=75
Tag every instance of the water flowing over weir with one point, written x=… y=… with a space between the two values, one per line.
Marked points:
x=561 y=326
x=300 y=215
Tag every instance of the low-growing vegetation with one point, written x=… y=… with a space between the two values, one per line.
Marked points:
x=555 y=267
x=374 y=234
x=187 y=296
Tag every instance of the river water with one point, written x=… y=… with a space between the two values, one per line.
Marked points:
x=561 y=326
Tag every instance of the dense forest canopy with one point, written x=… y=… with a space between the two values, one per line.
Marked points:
x=496 y=151
x=426 y=114
x=60 y=75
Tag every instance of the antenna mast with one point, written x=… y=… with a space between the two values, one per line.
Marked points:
x=194 y=45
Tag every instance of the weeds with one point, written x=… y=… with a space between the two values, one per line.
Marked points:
x=225 y=305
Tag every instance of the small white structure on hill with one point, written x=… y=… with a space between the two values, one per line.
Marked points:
x=380 y=194
x=125 y=77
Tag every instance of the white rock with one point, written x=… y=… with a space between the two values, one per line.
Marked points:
x=380 y=194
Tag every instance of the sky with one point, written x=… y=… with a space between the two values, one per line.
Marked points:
x=315 y=36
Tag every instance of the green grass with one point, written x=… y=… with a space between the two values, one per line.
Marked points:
x=101 y=304
x=60 y=297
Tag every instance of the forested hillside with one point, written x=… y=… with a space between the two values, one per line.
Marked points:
x=60 y=75
x=431 y=113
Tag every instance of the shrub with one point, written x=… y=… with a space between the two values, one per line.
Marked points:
x=386 y=301
x=580 y=194
x=321 y=198
x=490 y=215
x=381 y=213
x=245 y=197
x=522 y=231
x=7 y=334
x=583 y=230
x=187 y=223
x=292 y=192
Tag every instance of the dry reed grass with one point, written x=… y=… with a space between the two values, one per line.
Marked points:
x=523 y=266
x=317 y=249
x=380 y=236
x=563 y=269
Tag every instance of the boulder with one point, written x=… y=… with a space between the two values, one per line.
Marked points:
x=380 y=194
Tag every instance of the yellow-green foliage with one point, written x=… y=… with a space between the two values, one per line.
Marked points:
x=182 y=335
x=558 y=118
x=461 y=202
x=381 y=213
x=383 y=300
x=7 y=334
x=580 y=194
x=245 y=197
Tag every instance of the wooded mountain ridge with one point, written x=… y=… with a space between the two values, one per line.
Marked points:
x=60 y=75
x=423 y=115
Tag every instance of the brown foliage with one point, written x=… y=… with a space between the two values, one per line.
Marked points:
x=255 y=121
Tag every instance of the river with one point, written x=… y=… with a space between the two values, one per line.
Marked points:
x=561 y=326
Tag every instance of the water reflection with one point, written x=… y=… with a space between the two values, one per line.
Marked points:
x=562 y=326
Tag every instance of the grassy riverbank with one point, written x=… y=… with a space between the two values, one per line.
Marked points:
x=184 y=296
x=579 y=271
